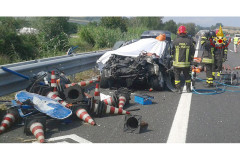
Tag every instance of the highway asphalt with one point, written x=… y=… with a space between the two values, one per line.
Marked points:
x=210 y=119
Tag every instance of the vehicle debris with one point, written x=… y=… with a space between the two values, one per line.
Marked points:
x=51 y=95
x=134 y=124
x=142 y=64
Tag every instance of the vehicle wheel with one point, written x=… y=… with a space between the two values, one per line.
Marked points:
x=118 y=44
x=157 y=82
x=104 y=80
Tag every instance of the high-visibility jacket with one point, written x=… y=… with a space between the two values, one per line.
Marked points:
x=235 y=40
x=208 y=52
x=203 y=39
x=182 y=51
x=238 y=42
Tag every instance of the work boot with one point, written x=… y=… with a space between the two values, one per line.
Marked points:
x=213 y=74
x=188 y=87
x=218 y=75
x=209 y=85
x=178 y=88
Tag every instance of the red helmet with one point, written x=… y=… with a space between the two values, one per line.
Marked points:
x=182 y=29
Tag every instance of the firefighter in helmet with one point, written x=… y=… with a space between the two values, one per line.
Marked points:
x=221 y=50
x=235 y=42
x=183 y=53
x=208 y=55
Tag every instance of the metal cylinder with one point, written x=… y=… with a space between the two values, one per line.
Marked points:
x=74 y=94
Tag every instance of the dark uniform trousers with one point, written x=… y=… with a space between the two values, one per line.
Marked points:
x=183 y=52
x=217 y=66
x=186 y=73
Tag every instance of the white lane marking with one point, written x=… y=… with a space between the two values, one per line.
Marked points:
x=71 y=136
x=63 y=142
x=178 y=132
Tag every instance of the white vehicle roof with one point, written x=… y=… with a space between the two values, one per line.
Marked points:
x=150 y=45
x=237 y=35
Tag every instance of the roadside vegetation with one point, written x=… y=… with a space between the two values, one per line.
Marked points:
x=53 y=36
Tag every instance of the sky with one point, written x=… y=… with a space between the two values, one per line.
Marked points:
x=206 y=21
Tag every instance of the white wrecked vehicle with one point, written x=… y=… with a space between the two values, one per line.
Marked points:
x=145 y=63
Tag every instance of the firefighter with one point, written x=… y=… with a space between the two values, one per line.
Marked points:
x=225 y=49
x=212 y=36
x=208 y=56
x=182 y=53
x=203 y=38
x=220 y=54
x=235 y=41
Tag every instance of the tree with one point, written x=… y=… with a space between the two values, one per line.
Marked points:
x=170 y=26
x=13 y=45
x=53 y=32
x=52 y=26
x=114 y=23
x=198 y=28
x=152 y=23
x=216 y=26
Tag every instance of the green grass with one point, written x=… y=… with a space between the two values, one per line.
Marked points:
x=173 y=36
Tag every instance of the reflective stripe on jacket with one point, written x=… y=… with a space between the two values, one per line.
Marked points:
x=183 y=51
x=235 y=40
x=208 y=52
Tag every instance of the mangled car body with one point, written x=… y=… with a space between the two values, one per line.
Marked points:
x=141 y=64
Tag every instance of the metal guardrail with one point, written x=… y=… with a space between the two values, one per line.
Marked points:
x=70 y=64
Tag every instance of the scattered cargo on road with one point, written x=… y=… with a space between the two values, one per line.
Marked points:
x=52 y=95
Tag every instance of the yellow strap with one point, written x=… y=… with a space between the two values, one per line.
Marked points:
x=209 y=81
x=212 y=50
x=181 y=64
x=177 y=82
x=225 y=51
x=187 y=54
x=207 y=60
x=188 y=81
x=176 y=63
x=177 y=53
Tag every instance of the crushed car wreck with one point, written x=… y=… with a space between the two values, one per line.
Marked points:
x=144 y=63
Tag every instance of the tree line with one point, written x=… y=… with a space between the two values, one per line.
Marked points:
x=53 y=36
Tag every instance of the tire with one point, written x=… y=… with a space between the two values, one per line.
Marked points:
x=157 y=82
x=104 y=80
